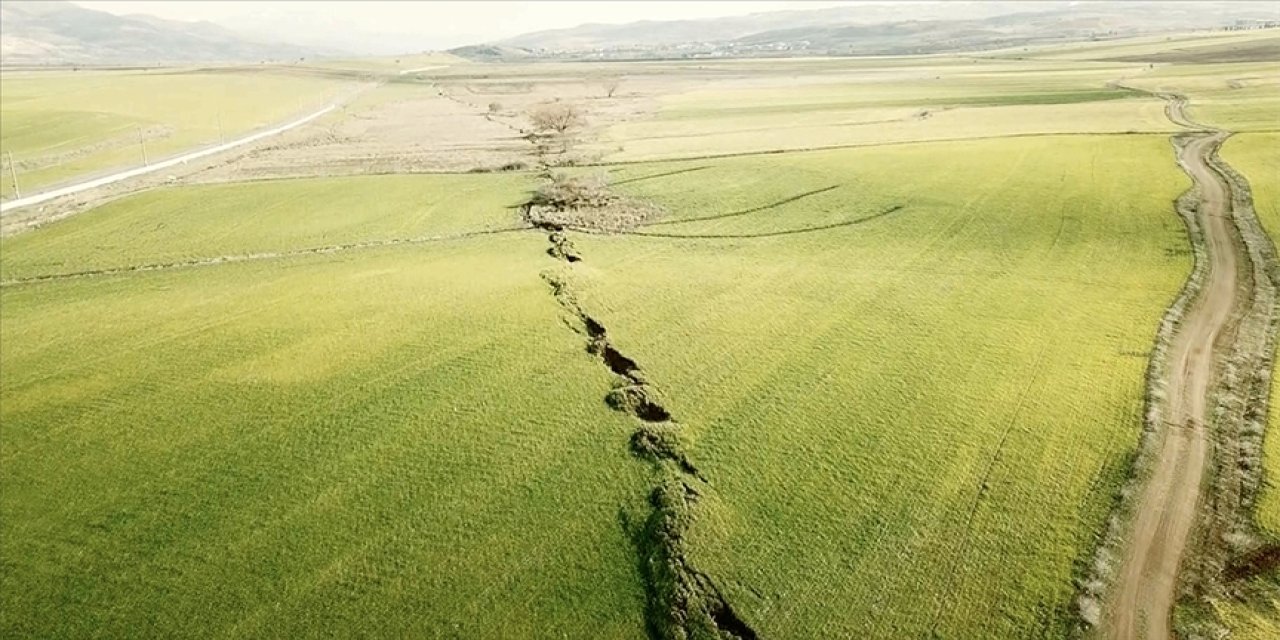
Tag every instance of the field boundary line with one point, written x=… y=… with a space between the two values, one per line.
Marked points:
x=862 y=145
x=251 y=257
x=720 y=216
x=745 y=236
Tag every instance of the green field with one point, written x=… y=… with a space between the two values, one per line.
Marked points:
x=1257 y=156
x=311 y=447
x=1236 y=96
x=910 y=369
x=916 y=402
x=937 y=100
x=62 y=125
x=388 y=64
x=1182 y=47
x=338 y=423
x=289 y=215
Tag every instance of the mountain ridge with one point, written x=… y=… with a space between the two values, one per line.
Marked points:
x=57 y=32
x=874 y=29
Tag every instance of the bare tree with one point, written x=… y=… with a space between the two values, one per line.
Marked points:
x=611 y=86
x=556 y=117
x=555 y=121
x=495 y=107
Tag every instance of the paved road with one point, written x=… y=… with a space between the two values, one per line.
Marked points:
x=408 y=71
x=45 y=196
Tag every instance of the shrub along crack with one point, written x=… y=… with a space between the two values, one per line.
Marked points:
x=683 y=602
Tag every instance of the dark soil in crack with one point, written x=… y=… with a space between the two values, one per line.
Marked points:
x=682 y=602
x=1261 y=561
x=561 y=245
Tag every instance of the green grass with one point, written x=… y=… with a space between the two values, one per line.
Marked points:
x=34 y=132
x=402 y=442
x=1242 y=96
x=1253 y=620
x=1153 y=45
x=911 y=425
x=891 y=105
x=938 y=101
x=1257 y=156
x=172 y=225
x=60 y=124
x=409 y=441
x=389 y=64
x=895 y=414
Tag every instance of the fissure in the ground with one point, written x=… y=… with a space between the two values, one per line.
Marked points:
x=682 y=602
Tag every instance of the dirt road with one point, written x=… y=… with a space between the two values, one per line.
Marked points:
x=1165 y=512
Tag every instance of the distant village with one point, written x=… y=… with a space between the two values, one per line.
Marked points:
x=737 y=49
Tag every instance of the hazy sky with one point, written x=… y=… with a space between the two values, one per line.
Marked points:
x=388 y=27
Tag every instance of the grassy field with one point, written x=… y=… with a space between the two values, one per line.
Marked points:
x=918 y=402
x=940 y=100
x=173 y=225
x=60 y=125
x=911 y=373
x=1257 y=156
x=1181 y=47
x=1241 y=96
x=412 y=432
x=389 y=64
x=394 y=443
x=1246 y=97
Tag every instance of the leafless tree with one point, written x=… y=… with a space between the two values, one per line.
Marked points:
x=555 y=121
x=559 y=118
x=611 y=86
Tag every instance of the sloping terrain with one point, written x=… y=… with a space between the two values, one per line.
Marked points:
x=63 y=126
x=890 y=388
x=870 y=29
x=57 y=32
x=393 y=441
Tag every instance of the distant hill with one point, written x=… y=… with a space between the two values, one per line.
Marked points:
x=490 y=53
x=675 y=32
x=56 y=32
x=887 y=28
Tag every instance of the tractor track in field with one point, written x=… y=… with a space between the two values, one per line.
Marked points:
x=1184 y=430
x=250 y=257
x=682 y=602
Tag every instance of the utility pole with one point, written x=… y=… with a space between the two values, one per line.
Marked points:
x=143 y=142
x=17 y=193
x=221 y=139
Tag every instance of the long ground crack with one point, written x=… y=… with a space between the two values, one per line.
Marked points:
x=683 y=602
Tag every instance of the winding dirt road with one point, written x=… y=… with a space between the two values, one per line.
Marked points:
x=1145 y=589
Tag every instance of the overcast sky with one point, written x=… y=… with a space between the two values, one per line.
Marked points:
x=391 y=26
